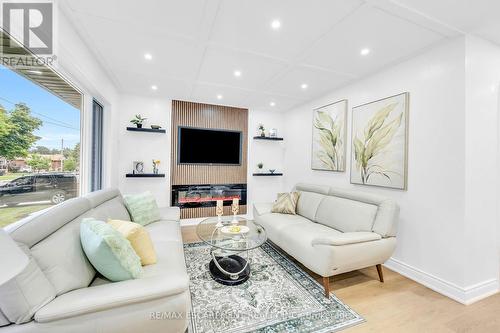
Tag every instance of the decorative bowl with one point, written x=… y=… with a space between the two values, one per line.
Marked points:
x=272 y=170
x=235 y=230
x=155 y=126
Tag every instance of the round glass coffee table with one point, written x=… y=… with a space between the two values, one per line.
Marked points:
x=230 y=240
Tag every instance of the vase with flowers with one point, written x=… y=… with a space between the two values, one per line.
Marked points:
x=262 y=130
x=156 y=164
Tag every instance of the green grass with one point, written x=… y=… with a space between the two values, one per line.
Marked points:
x=9 y=215
x=11 y=176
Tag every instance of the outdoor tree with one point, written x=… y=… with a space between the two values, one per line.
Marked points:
x=16 y=131
x=38 y=162
x=5 y=126
x=41 y=150
x=69 y=164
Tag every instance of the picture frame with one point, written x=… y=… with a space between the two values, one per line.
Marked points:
x=379 y=142
x=329 y=137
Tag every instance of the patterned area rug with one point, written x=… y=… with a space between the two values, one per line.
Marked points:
x=278 y=297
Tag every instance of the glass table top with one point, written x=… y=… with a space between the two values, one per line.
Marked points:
x=219 y=234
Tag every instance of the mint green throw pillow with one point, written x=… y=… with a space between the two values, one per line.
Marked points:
x=142 y=208
x=109 y=251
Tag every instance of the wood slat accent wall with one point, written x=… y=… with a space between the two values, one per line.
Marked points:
x=215 y=117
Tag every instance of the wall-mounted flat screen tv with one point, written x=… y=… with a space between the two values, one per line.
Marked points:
x=208 y=146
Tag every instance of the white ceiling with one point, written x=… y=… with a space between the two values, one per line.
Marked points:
x=198 y=44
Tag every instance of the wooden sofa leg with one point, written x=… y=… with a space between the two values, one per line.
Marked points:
x=380 y=272
x=326 y=285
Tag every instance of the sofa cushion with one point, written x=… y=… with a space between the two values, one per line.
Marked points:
x=30 y=231
x=138 y=237
x=3 y=320
x=111 y=295
x=23 y=295
x=108 y=251
x=62 y=260
x=142 y=207
x=345 y=238
x=304 y=234
x=308 y=204
x=164 y=230
x=262 y=208
x=346 y=215
x=286 y=203
x=274 y=223
x=111 y=209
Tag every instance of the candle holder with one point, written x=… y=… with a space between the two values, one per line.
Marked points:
x=235 y=207
x=219 y=211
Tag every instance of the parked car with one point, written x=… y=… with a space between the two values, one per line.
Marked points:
x=54 y=187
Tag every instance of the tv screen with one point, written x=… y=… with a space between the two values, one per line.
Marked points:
x=209 y=146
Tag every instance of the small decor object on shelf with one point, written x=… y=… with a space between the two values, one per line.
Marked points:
x=138 y=167
x=235 y=207
x=219 y=211
x=262 y=130
x=155 y=127
x=156 y=164
x=273 y=133
x=260 y=165
x=272 y=170
x=138 y=120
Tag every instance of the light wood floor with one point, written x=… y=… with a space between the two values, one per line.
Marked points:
x=402 y=305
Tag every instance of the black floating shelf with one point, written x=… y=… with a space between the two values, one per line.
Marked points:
x=145 y=175
x=150 y=130
x=267 y=174
x=267 y=138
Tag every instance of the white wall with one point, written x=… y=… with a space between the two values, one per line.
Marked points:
x=481 y=177
x=79 y=66
x=270 y=153
x=439 y=205
x=140 y=146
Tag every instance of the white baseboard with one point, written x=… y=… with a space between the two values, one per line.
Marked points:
x=467 y=295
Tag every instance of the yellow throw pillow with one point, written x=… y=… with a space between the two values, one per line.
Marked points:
x=138 y=237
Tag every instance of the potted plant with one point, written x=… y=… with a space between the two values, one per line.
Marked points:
x=262 y=130
x=260 y=165
x=138 y=120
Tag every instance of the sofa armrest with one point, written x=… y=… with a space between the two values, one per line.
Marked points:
x=170 y=213
x=111 y=295
x=262 y=208
x=347 y=238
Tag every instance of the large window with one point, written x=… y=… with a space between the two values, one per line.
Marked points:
x=39 y=142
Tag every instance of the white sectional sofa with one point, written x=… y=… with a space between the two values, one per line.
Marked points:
x=74 y=297
x=334 y=231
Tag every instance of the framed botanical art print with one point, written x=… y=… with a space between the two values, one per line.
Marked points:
x=329 y=137
x=380 y=142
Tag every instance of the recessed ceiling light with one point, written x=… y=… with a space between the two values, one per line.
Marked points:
x=148 y=56
x=272 y=104
x=275 y=24
x=365 y=52
x=154 y=87
x=219 y=96
x=304 y=85
x=237 y=73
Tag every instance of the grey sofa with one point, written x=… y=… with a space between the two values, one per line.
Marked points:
x=334 y=231
x=74 y=298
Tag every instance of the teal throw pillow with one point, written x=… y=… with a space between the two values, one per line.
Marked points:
x=109 y=251
x=142 y=208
